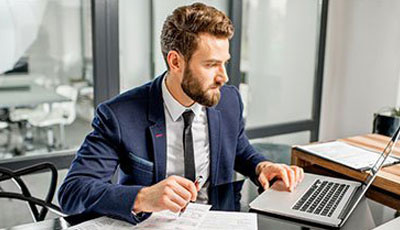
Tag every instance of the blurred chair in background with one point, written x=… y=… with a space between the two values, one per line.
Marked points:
x=21 y=116
x=5 y=135
x=60 y=114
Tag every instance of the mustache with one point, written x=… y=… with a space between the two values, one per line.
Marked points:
x=216 y=85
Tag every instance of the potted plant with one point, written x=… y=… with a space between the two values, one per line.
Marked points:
x=387 y=121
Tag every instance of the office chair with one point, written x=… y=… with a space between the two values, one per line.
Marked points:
x=61 y=114
x=25 y=195
x=20 y=117
x=3 y=129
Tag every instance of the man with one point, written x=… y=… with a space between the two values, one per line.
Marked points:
x=161 y=136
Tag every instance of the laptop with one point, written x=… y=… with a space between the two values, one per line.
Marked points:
x=321 y=199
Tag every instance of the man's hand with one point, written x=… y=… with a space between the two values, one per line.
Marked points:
x=288 y=176
x=172 y=193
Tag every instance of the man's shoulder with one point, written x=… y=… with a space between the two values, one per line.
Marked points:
x=137 y=93
x=132 y=99
x=229 y=89
x=230 y=96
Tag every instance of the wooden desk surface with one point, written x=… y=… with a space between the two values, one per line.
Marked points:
x=386 y=187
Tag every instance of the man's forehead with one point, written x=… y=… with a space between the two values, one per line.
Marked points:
x=211 y=47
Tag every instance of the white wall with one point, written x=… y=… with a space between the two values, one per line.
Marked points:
x=362 y=65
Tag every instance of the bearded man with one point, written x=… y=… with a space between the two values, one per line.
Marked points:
x=163 y=135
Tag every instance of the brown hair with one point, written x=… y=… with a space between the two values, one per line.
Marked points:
x=182 y=28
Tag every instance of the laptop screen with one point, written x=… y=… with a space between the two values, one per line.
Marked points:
x=382 y=158
x=371 y=175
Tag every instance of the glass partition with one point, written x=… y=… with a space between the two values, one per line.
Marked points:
x=140 y=24
x=279 y=148
x=278 y=56
x=278 y=60
x=46 y=80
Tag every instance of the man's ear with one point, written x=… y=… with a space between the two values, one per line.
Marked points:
x=175 y=61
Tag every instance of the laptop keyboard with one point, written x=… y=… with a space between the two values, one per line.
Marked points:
x=322 y=198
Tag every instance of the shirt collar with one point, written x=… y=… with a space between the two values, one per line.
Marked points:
x=174 y=108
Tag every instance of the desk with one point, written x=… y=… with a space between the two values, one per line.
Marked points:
x=386 y=187
x=227 y=197
x=12 y=97
x=15 y=82
x=30 y=97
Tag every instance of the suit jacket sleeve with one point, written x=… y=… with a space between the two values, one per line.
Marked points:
x=247 y=158
x=88 y=187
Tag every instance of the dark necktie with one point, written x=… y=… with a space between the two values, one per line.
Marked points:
x=190 y=169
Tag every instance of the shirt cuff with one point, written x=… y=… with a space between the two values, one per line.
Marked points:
x=139 y=217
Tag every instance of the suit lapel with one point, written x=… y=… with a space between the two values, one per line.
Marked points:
x=214 y=131
x=157 y=130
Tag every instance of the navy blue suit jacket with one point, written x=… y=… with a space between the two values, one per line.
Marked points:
x=129 y=136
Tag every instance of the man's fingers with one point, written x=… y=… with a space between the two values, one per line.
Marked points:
x=302 y=174
x=170 y=205
x=188 y=185
x=299 y=173
x=263 y=181
x=291 y=176
x=282 y=173
x=266 y=185
x=178 y=200
x=181 y=191
x=296 y=171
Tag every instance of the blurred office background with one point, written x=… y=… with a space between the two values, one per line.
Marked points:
x=305 y=74
x=46 y=92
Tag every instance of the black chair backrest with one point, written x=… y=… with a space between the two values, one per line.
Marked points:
x=25 y=195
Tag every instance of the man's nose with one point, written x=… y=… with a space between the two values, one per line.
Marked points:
x=222 y=76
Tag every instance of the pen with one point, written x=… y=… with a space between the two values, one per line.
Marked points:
x=198 y=180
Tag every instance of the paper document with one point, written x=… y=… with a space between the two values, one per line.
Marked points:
x=196 y=216
x=190 y=219
x=102 y=223
x=346 y=154
x=220 y=220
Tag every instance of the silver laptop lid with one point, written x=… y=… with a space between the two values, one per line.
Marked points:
x=382 y=158
x=371 y=176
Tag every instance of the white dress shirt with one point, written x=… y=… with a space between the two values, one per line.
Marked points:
x=174 y=134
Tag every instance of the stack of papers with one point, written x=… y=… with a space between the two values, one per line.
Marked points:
x=196 y=216
x=348 y=155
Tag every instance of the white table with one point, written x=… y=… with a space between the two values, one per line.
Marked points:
x=29 y=97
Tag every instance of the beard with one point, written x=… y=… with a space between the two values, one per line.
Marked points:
x=193 y=88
